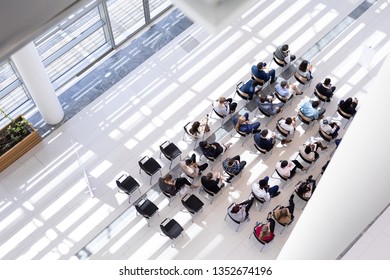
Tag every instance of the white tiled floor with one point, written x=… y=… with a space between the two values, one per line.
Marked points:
x=46 y=211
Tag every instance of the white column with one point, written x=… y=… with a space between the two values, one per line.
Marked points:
x=355 y=186
x=35 y=78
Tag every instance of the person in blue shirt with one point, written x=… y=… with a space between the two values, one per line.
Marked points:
x=233 y=166
x=250 y=88
x=242 y=124
x=309 y=109
x=263 y=73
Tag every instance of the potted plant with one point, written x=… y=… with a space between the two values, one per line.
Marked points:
x=16 y=138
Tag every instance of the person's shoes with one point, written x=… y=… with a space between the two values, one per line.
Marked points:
x=227 y=145
x=269 y=215
x=228 y=181
x=292 y=197
x=285 y=141
x=222 y=186
x=299 y=93
x=194 y=187
x=276 y=194
x=324 y=148
x=305 y=168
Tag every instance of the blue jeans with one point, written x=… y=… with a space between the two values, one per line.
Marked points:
x=273 y=190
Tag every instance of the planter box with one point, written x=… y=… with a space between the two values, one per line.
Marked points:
x=19 y=149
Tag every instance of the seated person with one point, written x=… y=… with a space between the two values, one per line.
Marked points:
x=309 y=151
x=287 y=168
x=285 y=215
x=242 y=124
x=265 y=105
x=196 y=130
x=304 y=70
x=191 y=168
x=349 y=105
x=326 y=89
x=224 y=106
x=265 y=232
x=261 y=72
x=263 y=190
x=288 y=124
x=213 y=182
x=233 y=166
x=283 y=53
x=285 y=90
x=213 y=150
x=172 y=186
x=305 y=189
x=250 y=88
x=309 y=109
x=330 y=127
x=240 y=212
x=265 y=139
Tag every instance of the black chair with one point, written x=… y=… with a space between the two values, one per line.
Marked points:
x=211 y=194
x=193 y=204
x=263 y=151
x=240 y=93
x=304 y=119
x=282 y=225
x=150 y=166
x=170 y=151
x=127 y=185
x=280 y=177
x=247 y=219
x=344 y=115
x=171 y=228
x=146 y=209
x=168 y=195
x=320 y=97
x=327 y=137
x=258 y=239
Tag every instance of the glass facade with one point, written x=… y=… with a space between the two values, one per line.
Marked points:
x=80 y=40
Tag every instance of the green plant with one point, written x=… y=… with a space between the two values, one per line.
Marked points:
x=14 y=132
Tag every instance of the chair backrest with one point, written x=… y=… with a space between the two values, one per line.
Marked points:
x=281 y=130
x=280 y=175
x=242 y=94
x=344 y=114
x=261 y=150
x=261 y=82
x=259 y=199
x=299 y=78
x=264 y=113
x=303 y=118
x=324 y=135
x=281 y=98
x=321 y=97
x=279 y=62
x=146 y=208
x=171 y=228
x=210 y=193
x=163 y=146
x=127 y=183
x=243 y=134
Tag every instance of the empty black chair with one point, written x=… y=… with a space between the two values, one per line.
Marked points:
x=170 y=151
x=146 y=208
x=171 y=228
x=193 y=204
x=150 y=166
x=127 y=184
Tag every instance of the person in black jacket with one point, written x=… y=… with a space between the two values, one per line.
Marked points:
x=212 y=150
x=212 y=182
x=326 y=88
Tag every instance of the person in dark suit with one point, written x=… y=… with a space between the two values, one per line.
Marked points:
x=265 y=141
x=326 y=88
x=212 y=182
x=349 y=105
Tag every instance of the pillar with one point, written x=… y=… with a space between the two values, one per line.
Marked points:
x=34 y=75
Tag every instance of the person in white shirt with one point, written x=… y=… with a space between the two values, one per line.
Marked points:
x=224 y=106
x=287 y=168
x=263 y=190
x=240 y=212
x=288 y=124
x=330 y=127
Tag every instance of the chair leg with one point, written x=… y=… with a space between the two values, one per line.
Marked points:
x=170 y=165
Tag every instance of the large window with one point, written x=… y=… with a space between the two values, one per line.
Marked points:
x=13 y=98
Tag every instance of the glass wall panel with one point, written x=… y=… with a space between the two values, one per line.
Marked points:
x=158 y=6
x=126 y=17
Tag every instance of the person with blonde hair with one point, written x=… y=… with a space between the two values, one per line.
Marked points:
x=224 y=106
x=243 y=124
x=265 y=232
x=285 y=215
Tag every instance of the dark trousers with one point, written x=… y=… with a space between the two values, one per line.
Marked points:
x=291 y=207
x=242 y=165
x=232 y=105
x=297 y=165
x=271 y=224
x=201 y=167
x=180 y=182
x=248 y=204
